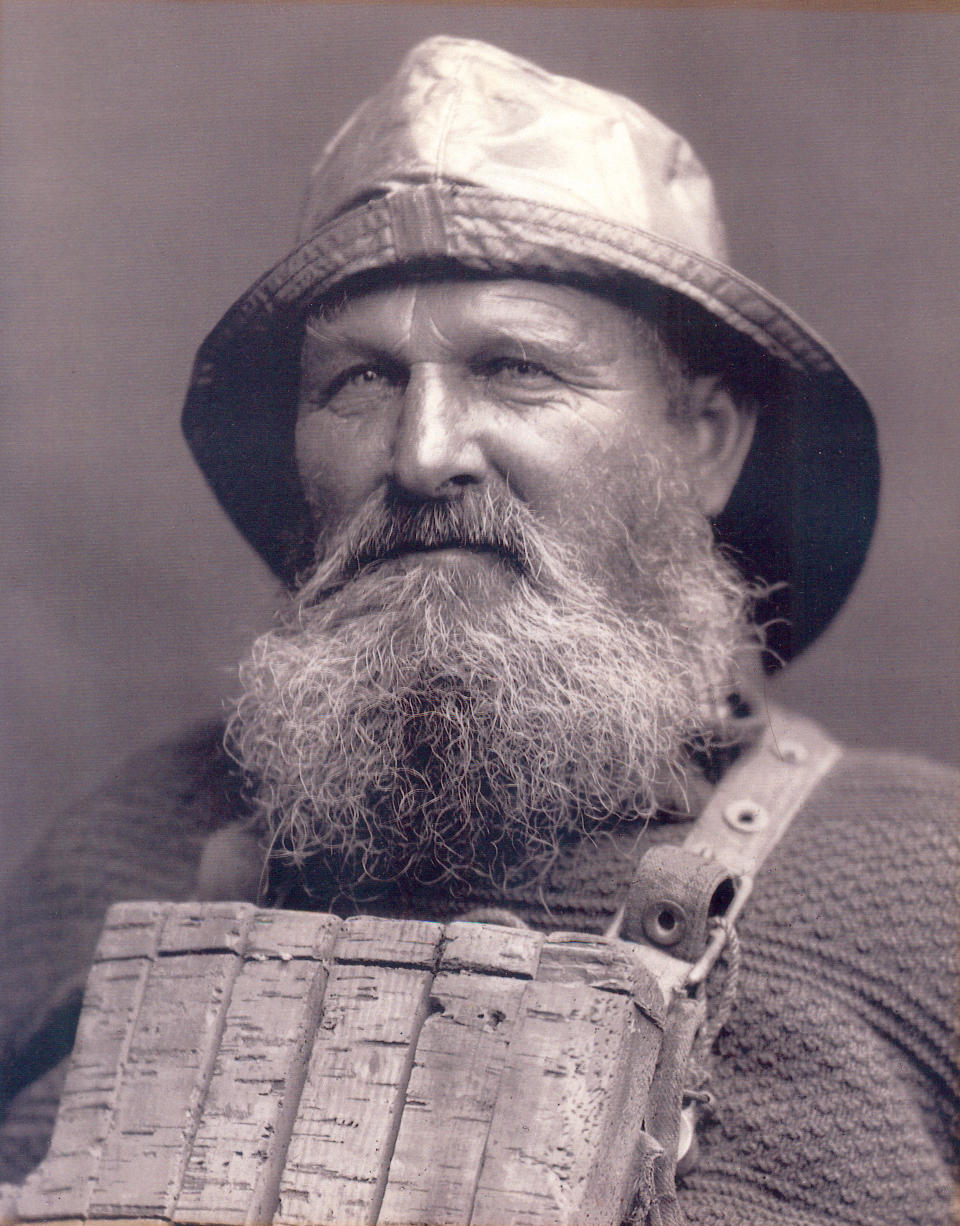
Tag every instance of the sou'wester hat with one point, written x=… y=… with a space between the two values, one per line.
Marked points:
x=472 y=158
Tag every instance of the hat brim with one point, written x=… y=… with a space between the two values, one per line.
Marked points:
x=802 y=514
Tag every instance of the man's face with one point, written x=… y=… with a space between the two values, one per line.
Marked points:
x=517 y=615
x=441 y=390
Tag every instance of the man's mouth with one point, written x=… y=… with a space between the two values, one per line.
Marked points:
x=438 y=552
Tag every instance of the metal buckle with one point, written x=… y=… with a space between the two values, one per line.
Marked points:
x=721 y=928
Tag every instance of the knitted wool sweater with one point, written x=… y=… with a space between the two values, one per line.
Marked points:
x=836 y=1078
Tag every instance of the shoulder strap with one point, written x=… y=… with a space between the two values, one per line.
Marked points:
x=678 y=891
x=681 y=909
x=753 y=804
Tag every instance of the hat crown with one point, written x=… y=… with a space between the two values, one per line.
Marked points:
x=461 y=111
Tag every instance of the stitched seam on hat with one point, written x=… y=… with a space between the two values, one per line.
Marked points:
x=801 y=343
x=800 y=347
x=575 y=226
x=781 y=313
x=448 y=120
x=669 y=276
x=673 y=277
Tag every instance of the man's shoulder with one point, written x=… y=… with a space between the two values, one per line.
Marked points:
x=851 y=805
x=139 y=835
x=860 y=895
x=879 y=820
x=187 y=779
x=900 y=792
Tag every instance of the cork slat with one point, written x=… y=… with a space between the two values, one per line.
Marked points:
x=450 y=1099
x=353 y=1095
x=234 y=1166
x=291 y=934
x=557 y=1128
x=578 y=957
x=62 y=1184
x=205 y=927
x=386 y=942
x=490 y=949
x=131 y=930
x=168 y=1063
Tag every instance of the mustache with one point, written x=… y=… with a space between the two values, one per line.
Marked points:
x=390 y=525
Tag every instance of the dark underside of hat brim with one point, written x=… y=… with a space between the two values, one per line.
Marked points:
x=802 y=514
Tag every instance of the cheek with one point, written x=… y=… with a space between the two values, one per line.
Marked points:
x=563 y=465
x=609 y=499
x=339 y=461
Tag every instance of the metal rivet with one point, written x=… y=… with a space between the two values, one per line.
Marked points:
x=794 y=752
x=746 y=816
x=664 y=922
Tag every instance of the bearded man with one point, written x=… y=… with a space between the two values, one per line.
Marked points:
x=550 y=486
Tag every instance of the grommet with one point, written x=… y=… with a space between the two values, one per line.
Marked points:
x=746 y=816
x=664 y=922
x=794 y=752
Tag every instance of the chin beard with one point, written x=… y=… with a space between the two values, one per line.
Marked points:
x=415 y=722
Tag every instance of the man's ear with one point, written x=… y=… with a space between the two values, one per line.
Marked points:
x=718 y=433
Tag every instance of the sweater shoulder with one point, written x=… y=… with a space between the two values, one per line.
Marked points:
x=139 y=835
x=897 y=767
x=890 y=794
x=187 y=777
x=860 y=899
x=879 y=835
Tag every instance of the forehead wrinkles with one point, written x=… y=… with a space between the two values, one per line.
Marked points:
x=412 y=319
x=552 y=315
x=352 y=323
x=552 y=321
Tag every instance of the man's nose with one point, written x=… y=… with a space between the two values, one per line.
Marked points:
x=436 y=450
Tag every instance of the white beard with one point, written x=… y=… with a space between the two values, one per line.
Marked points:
x=427 y=724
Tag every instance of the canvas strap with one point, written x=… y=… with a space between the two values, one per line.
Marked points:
x=680 y=893
x=681 y=909
x=753 y=805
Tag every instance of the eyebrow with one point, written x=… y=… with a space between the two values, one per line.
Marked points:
x=330 y=334
x=566 y=348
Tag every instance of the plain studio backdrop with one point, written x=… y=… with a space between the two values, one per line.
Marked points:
x=154 y=157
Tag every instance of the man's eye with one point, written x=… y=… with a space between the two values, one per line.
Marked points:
x=357 y=376
x=359 y=386
x=519 y=369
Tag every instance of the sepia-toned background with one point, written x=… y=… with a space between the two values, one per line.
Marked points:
x=153 y=157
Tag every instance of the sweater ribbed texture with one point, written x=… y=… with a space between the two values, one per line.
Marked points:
x=836 y=1077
